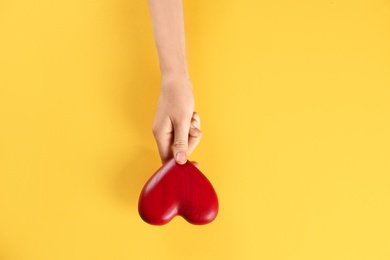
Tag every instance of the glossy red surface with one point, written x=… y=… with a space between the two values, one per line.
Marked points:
x=178 y=190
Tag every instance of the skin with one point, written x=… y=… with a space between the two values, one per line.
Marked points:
x=176 y=127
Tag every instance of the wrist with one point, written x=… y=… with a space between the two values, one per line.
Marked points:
x=171 y=76
x=175 y=80
x=175 y=72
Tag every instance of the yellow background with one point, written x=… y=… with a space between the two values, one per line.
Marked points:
x=294 y=98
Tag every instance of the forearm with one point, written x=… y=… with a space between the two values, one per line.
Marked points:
x=168 y=26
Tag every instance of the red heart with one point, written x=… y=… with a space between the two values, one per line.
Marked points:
x=178 y=190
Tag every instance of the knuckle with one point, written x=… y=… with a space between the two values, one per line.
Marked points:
x=179 y=144
x=155 y=131
x=196 y=116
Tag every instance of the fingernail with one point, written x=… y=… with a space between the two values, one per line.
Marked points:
x=181 y=157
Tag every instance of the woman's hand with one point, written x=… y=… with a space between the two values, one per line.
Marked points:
x=176 y=126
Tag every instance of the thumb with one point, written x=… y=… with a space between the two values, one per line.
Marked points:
x=180 y=143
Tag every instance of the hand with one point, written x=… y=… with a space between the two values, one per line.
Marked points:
x=176 y=126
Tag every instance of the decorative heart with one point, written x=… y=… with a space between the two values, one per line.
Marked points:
x=178 y=190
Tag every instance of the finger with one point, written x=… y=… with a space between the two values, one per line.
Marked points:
x=195 y=135
x=164 y=147
x=163 y=135
x=180 y=142
x=195 y=120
